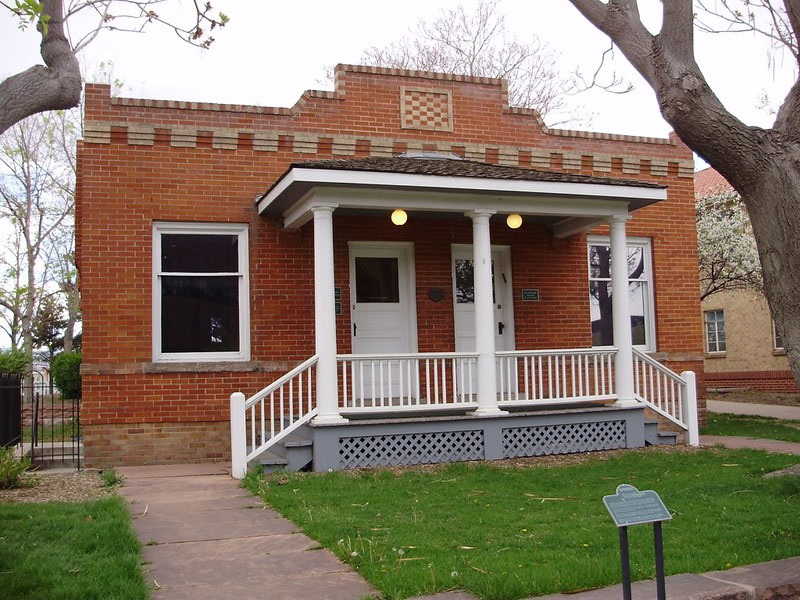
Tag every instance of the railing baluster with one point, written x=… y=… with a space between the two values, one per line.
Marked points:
x=283 y=410
x=272 y=415
x=436 y=379
x=263 y=423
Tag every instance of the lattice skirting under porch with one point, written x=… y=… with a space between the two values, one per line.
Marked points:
x=563 y=439
x=478 y=440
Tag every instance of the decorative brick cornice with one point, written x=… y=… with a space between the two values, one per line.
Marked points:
x=308 y=143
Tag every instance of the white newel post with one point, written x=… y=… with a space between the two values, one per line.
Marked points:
x=325 y=318
x=484 y=314
x=238 y=437
x=691 y=408
x=621 y=310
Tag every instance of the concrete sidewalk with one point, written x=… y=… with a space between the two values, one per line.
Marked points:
x=204 y=537
x=776 y=580
x=735 y=443
x=776 y=411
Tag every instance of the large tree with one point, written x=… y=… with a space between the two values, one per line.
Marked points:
x=762 y=164
x=56 y=85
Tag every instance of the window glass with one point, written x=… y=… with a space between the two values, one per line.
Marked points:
x=377 y=279
x=200 y=314
x=465 y=281
x=200 y=294
x=199 y=253
x=600 y=295
x=777 y=339
x=715 y=331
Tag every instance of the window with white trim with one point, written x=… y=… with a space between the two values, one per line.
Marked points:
x=715 y=331
x=777 y=340
x=200 y=292
x=640 y=292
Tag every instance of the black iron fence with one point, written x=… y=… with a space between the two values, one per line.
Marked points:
x=36 y=418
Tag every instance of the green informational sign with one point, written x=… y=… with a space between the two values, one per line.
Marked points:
x=337 y=294
x=338 y=308
x=530 y=295
x=629 y=506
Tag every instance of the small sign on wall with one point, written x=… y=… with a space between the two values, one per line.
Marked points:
x=530 y=295
x=338 y=308
x=337 y=294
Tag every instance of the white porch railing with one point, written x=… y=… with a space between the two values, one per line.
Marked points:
x=271 y=414
x=671 y=395
x=398 y=382
x=555 y=376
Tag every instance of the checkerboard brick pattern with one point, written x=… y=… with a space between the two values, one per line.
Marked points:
x=426 y=109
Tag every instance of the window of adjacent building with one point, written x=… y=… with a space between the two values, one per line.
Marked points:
x=200 y=295
x=715 y=331
x=777 y=340
x=640 y=292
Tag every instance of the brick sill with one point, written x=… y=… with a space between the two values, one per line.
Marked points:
x=156 y=368
x=715 y=355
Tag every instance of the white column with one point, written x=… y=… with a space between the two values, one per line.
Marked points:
x=690 y=411
x=325 y=318
x=238 y=437
x=621 y=310
x=484 y=314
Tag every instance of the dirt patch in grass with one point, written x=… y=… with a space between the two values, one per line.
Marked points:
x=58 y=487
x=754 y=397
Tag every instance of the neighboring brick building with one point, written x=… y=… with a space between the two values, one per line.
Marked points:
x=743 y=349
x=174 y=322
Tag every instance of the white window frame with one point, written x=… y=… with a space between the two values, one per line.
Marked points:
x=709 y=351
x=646 y=244
x=775 y=348
x=241 y=230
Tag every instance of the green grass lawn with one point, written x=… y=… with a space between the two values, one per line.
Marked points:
x=69 y=551
x=510 y=532
x=752 y=426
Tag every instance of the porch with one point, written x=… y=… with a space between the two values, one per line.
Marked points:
x=388 y=403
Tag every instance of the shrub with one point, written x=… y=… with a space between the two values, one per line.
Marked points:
x=111 y=478
x=13 y=361
x=67 y=374
x=11 y=468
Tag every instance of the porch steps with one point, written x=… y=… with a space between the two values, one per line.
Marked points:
x=655 y=437
x=293 y=453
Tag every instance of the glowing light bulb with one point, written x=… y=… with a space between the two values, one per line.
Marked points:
x=399 y=217
x=514 y=221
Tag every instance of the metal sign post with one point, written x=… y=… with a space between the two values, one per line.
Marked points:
x=627 y=507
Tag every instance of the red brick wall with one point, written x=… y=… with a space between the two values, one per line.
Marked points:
x=763 y=381
x=127 y=180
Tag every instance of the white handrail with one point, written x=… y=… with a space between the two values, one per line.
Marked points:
x=559 y=375
x=671 y=395
x=271 y=414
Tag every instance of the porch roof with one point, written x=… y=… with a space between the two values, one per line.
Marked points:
x=450 y=184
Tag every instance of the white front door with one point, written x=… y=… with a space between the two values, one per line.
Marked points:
x=464 y=300
x=383 y=312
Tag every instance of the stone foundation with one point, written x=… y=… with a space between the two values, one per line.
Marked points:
x=118 y=445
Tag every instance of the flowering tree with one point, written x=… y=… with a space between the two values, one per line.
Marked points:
x=726 y=246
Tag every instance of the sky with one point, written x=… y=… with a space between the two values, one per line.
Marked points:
x=272 y=51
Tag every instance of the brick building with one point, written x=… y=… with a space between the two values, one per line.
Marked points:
x=743 y=348
x=206 y=233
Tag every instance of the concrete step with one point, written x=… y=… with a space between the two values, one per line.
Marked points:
x=293 y=453
x=654 y=437
x=271 y=462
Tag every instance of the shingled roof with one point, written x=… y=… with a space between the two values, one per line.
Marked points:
x=456 y=167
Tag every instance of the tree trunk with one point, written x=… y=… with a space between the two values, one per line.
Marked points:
x=774 y=209
x=73 y=309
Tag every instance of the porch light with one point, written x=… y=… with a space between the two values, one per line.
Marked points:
x=399 y=217
x=514 y=221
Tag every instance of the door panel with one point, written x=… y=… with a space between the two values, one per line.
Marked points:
x=464 y=300
x=382 y=312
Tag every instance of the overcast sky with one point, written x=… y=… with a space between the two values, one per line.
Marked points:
x=272 y=51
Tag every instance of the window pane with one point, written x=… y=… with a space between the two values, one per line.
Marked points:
x=196 y=253
x=635 y=262
x=377 y=280
x=599 y=261
x=600 y=310
x=465 y=281
x=636 y=294
x=200 y=314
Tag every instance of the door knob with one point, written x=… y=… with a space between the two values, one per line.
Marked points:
x=500 y=328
